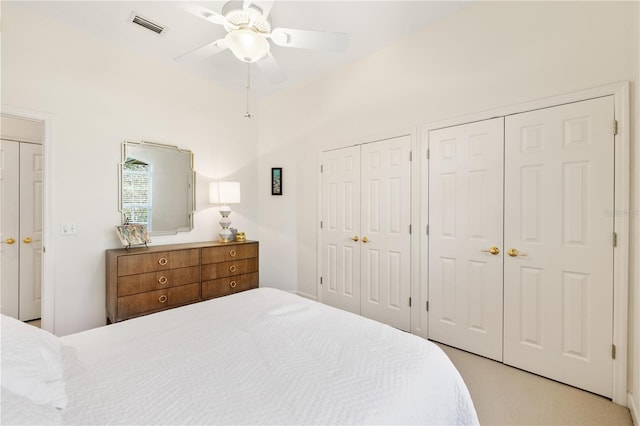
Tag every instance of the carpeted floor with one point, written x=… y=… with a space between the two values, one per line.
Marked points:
x=35 y=323
x=504 y=395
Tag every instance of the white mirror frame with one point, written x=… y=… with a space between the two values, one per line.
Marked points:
x=190 y=185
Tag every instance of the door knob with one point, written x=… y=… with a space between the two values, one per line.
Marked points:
x=365 y=240
x=8 y=241
x=355 y=238
x=27 y=240
x=493 y=250
x=513 y=253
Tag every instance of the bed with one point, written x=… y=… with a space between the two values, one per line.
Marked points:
x=262 y=356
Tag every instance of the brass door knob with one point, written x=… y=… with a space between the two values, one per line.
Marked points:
x=365 y=240
x=514 y=252
x=355 y=238
x=493 y=250
x=27 y=240
x=8 y=241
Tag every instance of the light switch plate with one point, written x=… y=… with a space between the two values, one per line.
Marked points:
x=68 y=229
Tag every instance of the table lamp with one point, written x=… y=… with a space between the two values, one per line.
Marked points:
x=224 y=193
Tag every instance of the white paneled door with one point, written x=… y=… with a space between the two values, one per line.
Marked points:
x=341 y=228
x=366 y=207
x=559 y=192
x=385 y=239
x=21 y=229
x=540 y=297
x=31 y=198
x=10 y=227
x=465 y=236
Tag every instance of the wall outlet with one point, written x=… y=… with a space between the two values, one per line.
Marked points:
x=68 y=229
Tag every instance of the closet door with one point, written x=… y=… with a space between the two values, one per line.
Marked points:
x=385 y=234
x=10 y=226
x=465 y=236
x=559 y=189
x=366 y=208
x=30 y=231
x=341 y=228
x=21 y=248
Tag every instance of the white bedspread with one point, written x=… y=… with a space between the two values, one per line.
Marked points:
x=259 y=357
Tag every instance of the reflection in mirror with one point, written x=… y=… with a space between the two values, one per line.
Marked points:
x=157 y=187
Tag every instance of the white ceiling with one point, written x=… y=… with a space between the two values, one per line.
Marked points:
x=370 y=25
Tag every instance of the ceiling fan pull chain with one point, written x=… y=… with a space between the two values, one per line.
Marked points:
x=248 y=114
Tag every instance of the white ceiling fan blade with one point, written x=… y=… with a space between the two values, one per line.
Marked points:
x=269 y=66
x=203 y=52
x=205 y=13
x=306 y=39
x=264 y=6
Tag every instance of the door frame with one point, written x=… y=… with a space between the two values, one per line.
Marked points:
x=48 y=266
x=620 y=92
x=415 y=215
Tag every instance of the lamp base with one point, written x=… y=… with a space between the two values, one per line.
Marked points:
x=225 y=234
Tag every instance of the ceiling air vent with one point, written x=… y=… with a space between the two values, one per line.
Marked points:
x=144 y=22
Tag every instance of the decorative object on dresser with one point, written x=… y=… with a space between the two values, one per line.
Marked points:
x=224 y=193
x=141 y=281
x=133 y=234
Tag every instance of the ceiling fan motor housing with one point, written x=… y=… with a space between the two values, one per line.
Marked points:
x=251 y=18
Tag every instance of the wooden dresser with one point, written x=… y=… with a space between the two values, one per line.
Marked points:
x=141 y=281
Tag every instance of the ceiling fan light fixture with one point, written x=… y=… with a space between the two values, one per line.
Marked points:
x=247 y=45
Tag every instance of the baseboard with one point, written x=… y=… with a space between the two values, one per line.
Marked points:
x=307 y=295
x=633 y=407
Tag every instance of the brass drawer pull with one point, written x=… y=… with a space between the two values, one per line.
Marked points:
x=162 y=280
x=8 y=241
x=162 y=261
x=232 y=268
x=162 y=299
x=233 y=284
x=232 y=253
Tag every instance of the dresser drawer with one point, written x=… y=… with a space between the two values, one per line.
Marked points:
x=132 y=284
x=228 y=285
x=160 y=261
x=138 y=304
x=231 y=252
x=213 y=271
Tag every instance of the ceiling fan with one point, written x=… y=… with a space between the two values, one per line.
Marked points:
x=249 y=30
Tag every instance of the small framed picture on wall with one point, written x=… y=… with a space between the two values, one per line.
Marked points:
x=276 y=181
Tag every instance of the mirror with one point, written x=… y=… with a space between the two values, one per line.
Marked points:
x=157 y=187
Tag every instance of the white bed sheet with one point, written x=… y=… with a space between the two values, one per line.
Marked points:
x=262 y=356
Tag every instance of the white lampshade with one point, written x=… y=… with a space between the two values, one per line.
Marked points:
x=224 y=192
x=247 y=45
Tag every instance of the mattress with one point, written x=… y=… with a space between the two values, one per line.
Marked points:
x=262 y=356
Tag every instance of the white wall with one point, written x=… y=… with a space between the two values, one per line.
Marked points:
x=17 y=129
x=490 y=55
x=98 y=96
x=634 y=276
